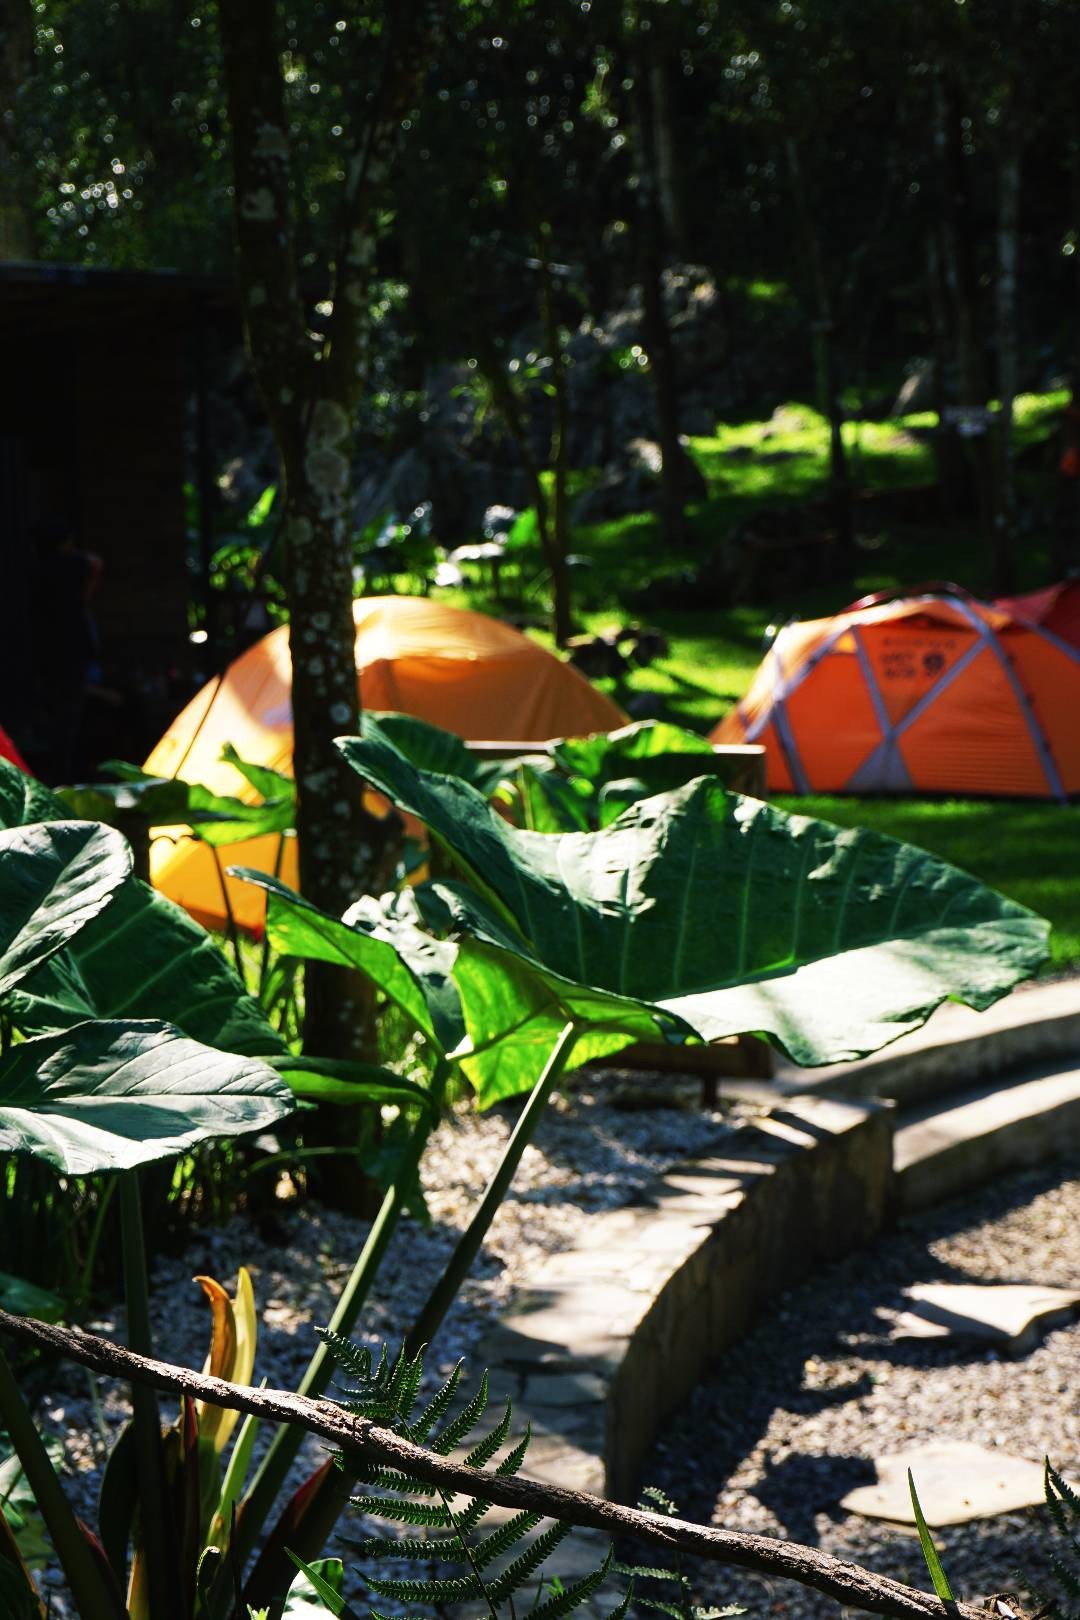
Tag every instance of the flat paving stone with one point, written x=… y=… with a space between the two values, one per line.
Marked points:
x=1009 y=1316
x=956 y=1482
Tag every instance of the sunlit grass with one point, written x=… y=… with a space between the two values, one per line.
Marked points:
x=1025 y=849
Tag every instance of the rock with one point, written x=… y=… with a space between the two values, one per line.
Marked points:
x=1012 y=1317
x=956 y=1481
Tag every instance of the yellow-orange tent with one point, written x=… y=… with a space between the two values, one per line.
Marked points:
x=463 y=671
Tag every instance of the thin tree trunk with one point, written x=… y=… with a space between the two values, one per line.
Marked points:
x=559 y=531
x=17 y=235
x=508 y=404
x=1008 y=367
x=311 y=399
x=657 y=331
x=826 y=386
x=668 y=195
x=964 y=385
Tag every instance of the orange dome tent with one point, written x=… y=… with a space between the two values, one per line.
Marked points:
x=463 y=671
x=934 y=692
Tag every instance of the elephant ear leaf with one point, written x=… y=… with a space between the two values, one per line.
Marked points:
x=726 y=914
x=23 y=799
x=145 y=957
x=108 y=1095
x=136 y=956
x=56 y=878
x=381 y=939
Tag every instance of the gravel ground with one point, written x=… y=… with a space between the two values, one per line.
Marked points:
x=593 y=1151
x=788 y=1421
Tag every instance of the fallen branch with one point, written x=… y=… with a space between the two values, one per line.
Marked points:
x=848 y=1584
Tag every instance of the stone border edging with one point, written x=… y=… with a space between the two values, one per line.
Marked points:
x=611 y=1336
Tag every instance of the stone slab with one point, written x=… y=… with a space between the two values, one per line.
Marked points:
x=943 y=1150
x=1009 y=1316
x=956 y=1482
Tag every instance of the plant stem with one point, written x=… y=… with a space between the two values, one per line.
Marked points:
x=274 y=1467
x=444 y=1293
x=88 y=1588
x=232 y=933
x=153 y=1512
x=86 y=1276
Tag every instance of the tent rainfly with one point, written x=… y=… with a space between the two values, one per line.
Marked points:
x=932 y=692
x=468 y=673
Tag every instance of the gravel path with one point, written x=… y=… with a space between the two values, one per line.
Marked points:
x=788 y=1421
x=595 y=1150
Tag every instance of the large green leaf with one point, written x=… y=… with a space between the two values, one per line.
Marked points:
x=23 y=799
x=217 y=818
x=659 y=754
x=145 y=957
x=109 y=1095
x=380 y=939
x=142 y=957
x=724 y=913
x=432 y=749
x=54 y=879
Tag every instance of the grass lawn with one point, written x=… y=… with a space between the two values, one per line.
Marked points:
x=1027 y=850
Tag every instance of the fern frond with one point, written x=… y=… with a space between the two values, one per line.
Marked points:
x=447 y=1589
x=571 y=1597
x=528 y=1562
x=1068 y=1579
x=392 y=1479
x=654 y=1500
x=644 y=1572
x=444 y=1548
x=471 y=1516
x=481 y=1454
x=355 y=1359
x=403 y=1386
x=659 y=1606
x=389 y=1393
x=437 y=1408
x=1062 y=1487
x=401 y=1511
x=465 y=1422
x=514 y=1459
x=506 y=1536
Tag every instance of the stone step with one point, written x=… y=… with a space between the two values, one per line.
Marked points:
x=956 y=1047
x=968 y=1137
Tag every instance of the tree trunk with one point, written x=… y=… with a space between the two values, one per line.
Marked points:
x=1008 y=367
x=508 y=404
x=826 y=387
x=964 y=382
x=311 y=398
x=668 y=196
x=559 y=528
x=17 y=235
x=657 y=332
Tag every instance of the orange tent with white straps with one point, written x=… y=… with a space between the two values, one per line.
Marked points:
x=470 y=674
x=932 y=692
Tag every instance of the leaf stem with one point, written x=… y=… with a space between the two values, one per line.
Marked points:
x=444 y=1293
x=274 y=1467
x=149 y=1461
x=85 y=1579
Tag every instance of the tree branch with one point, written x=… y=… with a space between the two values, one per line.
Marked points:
x=846 y=1583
